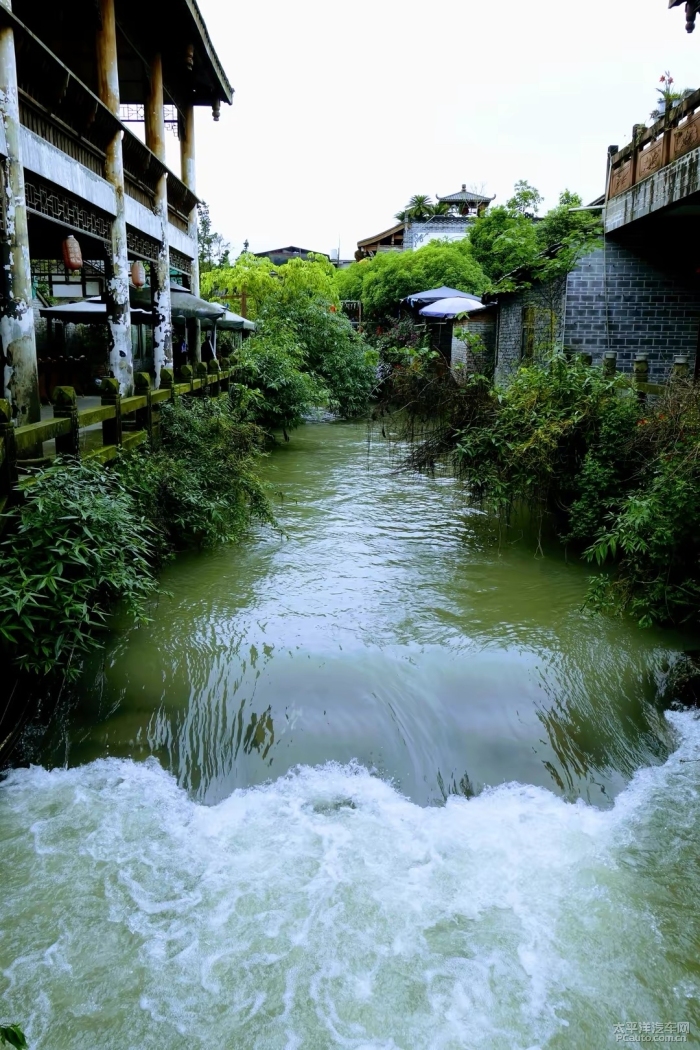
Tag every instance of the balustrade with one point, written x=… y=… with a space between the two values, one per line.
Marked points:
x=127 y=422
x=653 y=148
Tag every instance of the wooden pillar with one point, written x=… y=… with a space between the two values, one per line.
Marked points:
x=189 y=177
x=21 y=376
x=160 y=272
x=117 y=282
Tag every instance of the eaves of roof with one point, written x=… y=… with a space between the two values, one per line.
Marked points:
x=380 y=236
x=217 y=68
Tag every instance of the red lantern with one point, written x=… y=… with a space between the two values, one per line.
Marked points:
x=72 y=255
x=138 y=274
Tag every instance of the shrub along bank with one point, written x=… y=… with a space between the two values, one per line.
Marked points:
x=305 y=352
x=621 y=478
x=85 y=538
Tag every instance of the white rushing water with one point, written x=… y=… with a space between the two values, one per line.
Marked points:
x=325 y=910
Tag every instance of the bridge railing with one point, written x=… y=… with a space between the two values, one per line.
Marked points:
x=653 y=148
x=126 y=422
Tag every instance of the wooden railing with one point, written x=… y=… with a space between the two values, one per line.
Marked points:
x=651 y=149
x=127 y=422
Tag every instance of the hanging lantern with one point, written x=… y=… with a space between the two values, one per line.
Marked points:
x=138 y=274
x=72 y=255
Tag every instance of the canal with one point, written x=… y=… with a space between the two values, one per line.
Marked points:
x=377 y=780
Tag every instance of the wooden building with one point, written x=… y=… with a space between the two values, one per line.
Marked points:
x=280 y=256
x=72 y=79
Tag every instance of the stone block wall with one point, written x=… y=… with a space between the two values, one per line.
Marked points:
x=649 y=310
x=618 y=298
x=476 y=358
x=545 y=304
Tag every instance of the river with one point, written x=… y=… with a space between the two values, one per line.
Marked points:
x=377 y=781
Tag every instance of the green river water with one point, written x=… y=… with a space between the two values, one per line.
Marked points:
x=378 y=782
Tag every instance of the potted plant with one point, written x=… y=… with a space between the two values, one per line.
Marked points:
x=669 y=97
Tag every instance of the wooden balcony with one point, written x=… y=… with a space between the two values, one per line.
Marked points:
x=654 y=148
x=61 y=109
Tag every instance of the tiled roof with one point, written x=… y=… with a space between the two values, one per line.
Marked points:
x=465 y=196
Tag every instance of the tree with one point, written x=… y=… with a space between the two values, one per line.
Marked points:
x=562 y=222
x=382 y=282
x=507 y=239
x=213 y=249
x=502 y=240
x=419 y=207
x=260 y=281
x=526 y=199
x=305 y=351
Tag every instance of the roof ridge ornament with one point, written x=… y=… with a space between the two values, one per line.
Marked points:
x=691 y=9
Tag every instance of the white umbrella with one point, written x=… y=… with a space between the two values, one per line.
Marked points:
x=433 y=294
x=450 y=308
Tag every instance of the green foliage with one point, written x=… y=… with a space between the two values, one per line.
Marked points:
x=272 y=364
x=199 y=489
x=622 y=479
x=651 y=527
x=508 y=239
x=526 y=199
x=213 y=249
x=79 y=545
x=305 y=352
x=382 y=282
x=85 y=538
x=421 y=206
x=502 y=240
x=263 y=283
x=12 y=1035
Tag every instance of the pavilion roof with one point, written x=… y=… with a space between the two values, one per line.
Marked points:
x=465 y=196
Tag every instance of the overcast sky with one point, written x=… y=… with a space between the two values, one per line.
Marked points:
x=343 y=110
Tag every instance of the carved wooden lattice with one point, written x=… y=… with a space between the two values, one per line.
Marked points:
x=56 y=204
x=180 y=262
x=141 y=246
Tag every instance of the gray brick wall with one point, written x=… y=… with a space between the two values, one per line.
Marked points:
x=475 y=359
x=649 y=309
x=547 y=305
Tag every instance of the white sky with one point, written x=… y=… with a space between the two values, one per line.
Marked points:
x=343 y=110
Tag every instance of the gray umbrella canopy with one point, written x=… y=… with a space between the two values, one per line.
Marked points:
x=184 y=305
x=189 y=306
x=454 y=306
x=90 y=311
x=230 y=322
x=433 y=294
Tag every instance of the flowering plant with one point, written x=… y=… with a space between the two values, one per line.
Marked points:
x=668 y=96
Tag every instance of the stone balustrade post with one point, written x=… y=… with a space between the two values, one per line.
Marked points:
x=112 y=428
x=144 y=416
x=609 y=363
x=65 y=406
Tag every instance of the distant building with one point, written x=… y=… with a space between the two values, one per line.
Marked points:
x=280 y=256
x=451 y=223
